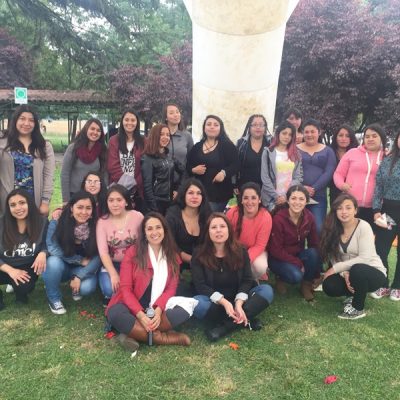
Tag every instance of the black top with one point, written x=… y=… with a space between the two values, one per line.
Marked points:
x=250 y=169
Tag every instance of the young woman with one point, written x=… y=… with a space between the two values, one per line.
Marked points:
x=280 y=166
x=22 y=245
x=116 y=231
x=26 y=160
x=71 y=243
x=386 y=200
x=158 y=170
x=214 y=161
x=357 y=170
x=250 y=149
x=295 y=117
x=319 y=163
x=86 y=154
x=149 y=277
x=123 y=158
x=343 y=140
x=252 y=225
x=288 y=258
x=347 y=243
x=227 y=293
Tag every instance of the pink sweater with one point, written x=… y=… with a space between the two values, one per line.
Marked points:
x=255 y=231
x=358 y=167
x=115 y=242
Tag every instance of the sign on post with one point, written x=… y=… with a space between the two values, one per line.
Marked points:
x=21 y=95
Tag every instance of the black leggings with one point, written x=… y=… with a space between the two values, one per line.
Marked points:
x=363 y=279
x=23 y=288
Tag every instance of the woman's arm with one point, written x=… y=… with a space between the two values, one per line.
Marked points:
x=66 y=170
x=147 y=175
x=268 y=191
x=297 y=177
x=340 y=174
x=113 y=162
x=231 y=159
x=380 y=185
x=49 y=165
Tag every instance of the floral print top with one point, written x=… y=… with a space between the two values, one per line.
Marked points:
x=23 y=171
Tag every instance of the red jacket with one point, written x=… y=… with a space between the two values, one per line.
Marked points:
x=114 y=165
x=134 y=282
x=287 y=239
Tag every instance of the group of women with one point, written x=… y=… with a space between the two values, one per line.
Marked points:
x=139 y=212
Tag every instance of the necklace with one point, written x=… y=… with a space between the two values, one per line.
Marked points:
x=207 y=149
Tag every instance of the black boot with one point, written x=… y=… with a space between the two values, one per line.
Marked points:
x=1 y=301
x=220 y=324
x=252 y=307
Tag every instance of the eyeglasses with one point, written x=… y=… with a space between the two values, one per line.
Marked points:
x=90 y=182
x=258 y=125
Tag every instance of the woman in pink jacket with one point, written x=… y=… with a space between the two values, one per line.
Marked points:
x=357 y=170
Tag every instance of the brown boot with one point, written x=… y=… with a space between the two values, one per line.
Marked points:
x=280 y=286
x=171 y=338
x=165 y=325
x=307 y=290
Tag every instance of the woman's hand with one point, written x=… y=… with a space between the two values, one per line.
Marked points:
x=280 y=200
x=18 y=275
x=310 y=190
x=199 y=169
x=85 y=261
x=377 y=215
x=219 y=177
x=114 y=278
x=241 y=317
x=144 y=320
x=39 y=265
x=174 y=194
x=346 y=277
x=230 y=311
x=44 y=209
x=346 y=187
x=329 y=272
x=156 y=320
x=56 y=214
x=75 y=285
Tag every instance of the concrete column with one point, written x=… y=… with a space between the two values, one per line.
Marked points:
x=237 y=51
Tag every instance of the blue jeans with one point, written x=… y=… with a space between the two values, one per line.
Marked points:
x=57 y=271
x=319 y=212
x=105 y=281
x=291 y=273
x=205 y=302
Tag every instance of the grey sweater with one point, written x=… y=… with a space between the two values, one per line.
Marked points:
x=179 y=146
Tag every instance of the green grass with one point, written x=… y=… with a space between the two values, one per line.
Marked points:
x=59 y=141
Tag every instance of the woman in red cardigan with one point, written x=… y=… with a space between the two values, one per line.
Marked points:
x=149 y=277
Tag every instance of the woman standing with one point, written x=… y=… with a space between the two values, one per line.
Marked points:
x=387 y=201
x=357 y=170
x=149 y=277
x=295 y=117
x=318 y=163
x=343 y=140
x=280 y=166
x=86 y=154
x=347 y=243
x=227 y=293
x=22 y=245
x=288 y=259
x=250 y=148
x=158 y=170
x=26 y=160
x=116 y=231
x=123 y=158
x=214 y=161
x=71 y=242
x=252 y=225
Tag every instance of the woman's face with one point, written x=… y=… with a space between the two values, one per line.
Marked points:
x=116 y=204
x=297 y=202
x=164 y=137
x=296 y=122
x=93 y=132
x=154 y=231
x=285 y=136
x=372 y=140
x=343 y=139
x=218 y=231
x=212 y=128
x=92 y=184
x=257 y=127
x=129 y=123
x=251 y=202
x=25 y=124
x=346 y=212
x=193 y=197
x=299 y=137
x=173 y=115
x=18 y=207
x=82 y=211
x=311 y=135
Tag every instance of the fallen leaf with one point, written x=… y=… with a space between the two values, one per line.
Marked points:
x=234 y=346
x=330 y=379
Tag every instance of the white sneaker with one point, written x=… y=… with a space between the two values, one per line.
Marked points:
x=395 y=294
x=76 y=297
x=381 y=292
x=57 y=308
x=9 y=289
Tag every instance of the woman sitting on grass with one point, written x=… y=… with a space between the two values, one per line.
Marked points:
x=71 y=242
x=347 y=243
x=22 y=245
x=149 y=277
x=227 y=294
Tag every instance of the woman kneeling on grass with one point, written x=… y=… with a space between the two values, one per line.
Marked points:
x=22 y=245
x=71 y=242
x=347 y=243
x=149 y=277
x=227 y=294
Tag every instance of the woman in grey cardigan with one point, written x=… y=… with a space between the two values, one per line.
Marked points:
x=280 y=166
x=26 y=160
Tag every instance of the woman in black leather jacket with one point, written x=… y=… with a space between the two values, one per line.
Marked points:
x=158 y=170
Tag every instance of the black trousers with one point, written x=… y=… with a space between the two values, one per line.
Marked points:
x=363 y=279
x=23 y=288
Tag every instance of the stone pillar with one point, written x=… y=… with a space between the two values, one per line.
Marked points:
x=237 y=51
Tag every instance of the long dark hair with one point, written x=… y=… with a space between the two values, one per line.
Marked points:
x=139 y=141
x=293 y=152
x=353 y=139
x=168 y=244
x=123 y=192
x=34 y=221
x=333 y=228
x=233 y=249
x=222 y=133
x=394 y=152
x=38 y=144
x=297 y=113
x=101 y=196
x=181 y=125
x=65 y=234
x=250 y=121
x=82 y=140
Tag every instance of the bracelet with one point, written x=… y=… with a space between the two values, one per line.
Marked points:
x=223 y=171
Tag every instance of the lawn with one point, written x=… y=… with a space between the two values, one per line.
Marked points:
x=43 y=356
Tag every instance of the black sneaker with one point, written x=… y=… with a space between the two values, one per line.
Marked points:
x=105 y=301
x=57 y=308
x=349 y=312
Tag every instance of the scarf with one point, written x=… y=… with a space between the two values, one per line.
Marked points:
x=81 y=232
x=160 y=274
x=88 y=156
